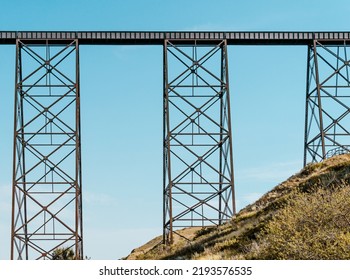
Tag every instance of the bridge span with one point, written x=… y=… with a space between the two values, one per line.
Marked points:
x=198 y=178
x=157 y=38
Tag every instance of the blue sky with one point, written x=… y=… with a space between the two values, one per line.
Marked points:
x=121 y=90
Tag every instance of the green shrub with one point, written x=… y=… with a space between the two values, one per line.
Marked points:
x=312 y=226
x=63 y=254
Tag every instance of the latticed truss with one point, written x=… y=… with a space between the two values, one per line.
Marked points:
x=198 y=163
x=47 y=205
x=327 y=122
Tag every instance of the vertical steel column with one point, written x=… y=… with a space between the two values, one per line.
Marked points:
x=226 y=154
x=327 y=121
x=46 y=191
x=167 y=179
x=198 y=160
x=308 y=84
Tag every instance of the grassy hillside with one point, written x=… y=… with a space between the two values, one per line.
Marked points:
x=305 y=217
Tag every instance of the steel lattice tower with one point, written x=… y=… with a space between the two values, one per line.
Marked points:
x=46 y=203
x=198 y=161
x=327 y=121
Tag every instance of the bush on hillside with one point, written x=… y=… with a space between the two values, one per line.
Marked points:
x=311 y=226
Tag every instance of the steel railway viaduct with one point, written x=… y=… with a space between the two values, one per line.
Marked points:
x=198 y=180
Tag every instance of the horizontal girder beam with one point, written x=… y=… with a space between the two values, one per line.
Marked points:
x=157 y=38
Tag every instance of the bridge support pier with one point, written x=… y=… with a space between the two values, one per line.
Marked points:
x=46 y=191
x=327 y=121
x=198 y=161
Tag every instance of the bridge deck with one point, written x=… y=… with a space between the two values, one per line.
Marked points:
x=157 y=38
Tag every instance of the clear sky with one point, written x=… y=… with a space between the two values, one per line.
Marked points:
x=121 y=89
